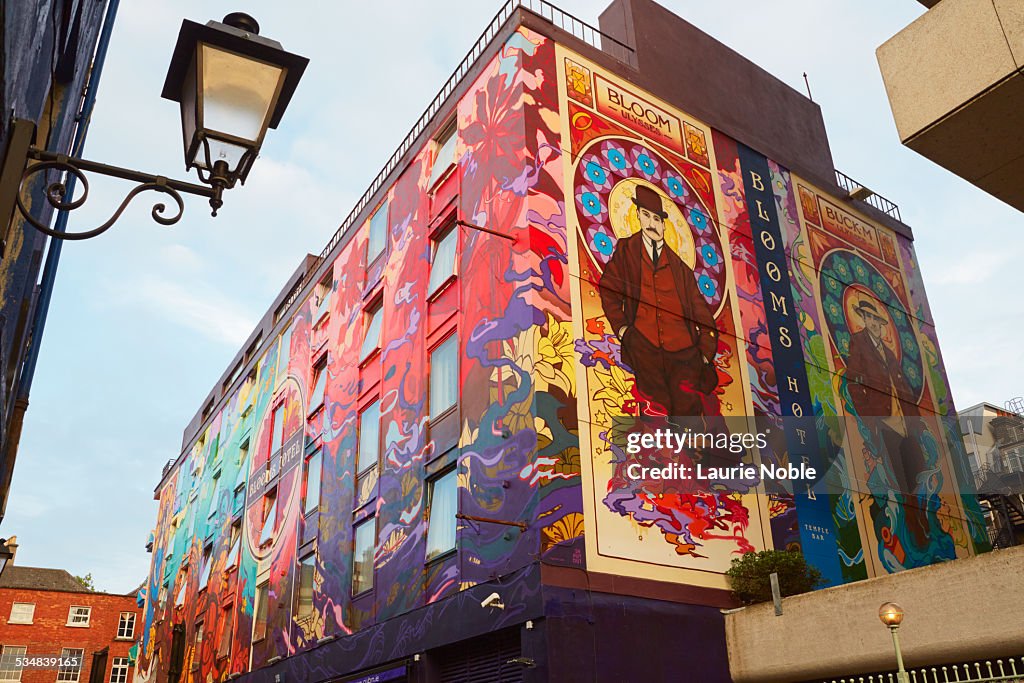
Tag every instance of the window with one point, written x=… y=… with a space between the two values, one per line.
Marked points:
x=74 y=657
x=8 y=670
x=239 y=502
x=126 y=625
x=311 y=496
x=304 y=598
x=22 y=613
x=260 y=622
x=371 y=342
x=369 y=437
x=322 y=295
x=445 y=153
x=119 y=670
x=226 y=629
x=378 y=233
x=277 y=434
x=442 y=266
x=205 y=566
x=443 y=497
x=235 y=544
x=444 y=376
x=79 y=616
x=285 y=354
x=269 y=516
x=362 y=556
x=316 y=399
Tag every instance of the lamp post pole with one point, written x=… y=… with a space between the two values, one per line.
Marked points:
x=901 y=673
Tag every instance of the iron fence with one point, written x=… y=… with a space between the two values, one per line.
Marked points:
x=876 y=200
x=1009 y=670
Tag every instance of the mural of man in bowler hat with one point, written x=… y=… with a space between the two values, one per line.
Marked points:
x=665 y=326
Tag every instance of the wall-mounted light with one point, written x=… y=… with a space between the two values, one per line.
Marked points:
x=232 y=85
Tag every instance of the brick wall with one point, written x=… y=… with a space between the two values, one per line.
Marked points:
x=49 y=632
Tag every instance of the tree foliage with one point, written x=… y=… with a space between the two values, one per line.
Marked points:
x=749 y=575
x=87 y=582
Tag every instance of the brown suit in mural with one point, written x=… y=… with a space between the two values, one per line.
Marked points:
x=883 y=398
x=665 y=326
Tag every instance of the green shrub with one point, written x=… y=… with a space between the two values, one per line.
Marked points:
x=749 y=575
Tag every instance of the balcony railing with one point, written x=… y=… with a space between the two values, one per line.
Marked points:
x=1006 y=670
x=858 y=191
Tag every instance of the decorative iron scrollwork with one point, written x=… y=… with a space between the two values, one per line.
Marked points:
x=55 y=192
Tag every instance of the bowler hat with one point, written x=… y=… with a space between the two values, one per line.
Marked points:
x=646 y=198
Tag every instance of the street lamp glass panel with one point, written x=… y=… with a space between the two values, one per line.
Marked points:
x=238 y=93
x=891 y=614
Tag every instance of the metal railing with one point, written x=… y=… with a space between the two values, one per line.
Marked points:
x=563 y=20
x=858 y=191
x=1009 y=670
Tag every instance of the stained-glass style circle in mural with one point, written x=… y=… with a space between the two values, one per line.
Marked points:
x=848 y=284
x=606 y=178
x=274 y=482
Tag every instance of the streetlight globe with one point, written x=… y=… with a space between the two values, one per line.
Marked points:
x=891 y=614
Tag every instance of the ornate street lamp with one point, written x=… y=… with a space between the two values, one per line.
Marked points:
x=891 y=615
x=232 y=85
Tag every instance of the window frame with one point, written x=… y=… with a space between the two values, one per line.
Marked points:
x=64 y=674
x=6 y=658
x=319 y=455
x=384 y=206
x=433 y=416
x=31 y=615
x=120 y=626
x=227 y=629
x=296 y=614
x=122 y=664
x=261 y=600
x=317 y=398
x=71 y=615
x=372 y=309
x=371 y=521
x=449 y=131
x=359 y=435
x=452 y=471
x=448 y=228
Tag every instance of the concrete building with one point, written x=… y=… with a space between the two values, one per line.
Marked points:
x=48 y=615
x=994 y=441
x=420 y=465
x=955 y=79
x=48 y=60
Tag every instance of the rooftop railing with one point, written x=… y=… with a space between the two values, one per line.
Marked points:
x=857 y=191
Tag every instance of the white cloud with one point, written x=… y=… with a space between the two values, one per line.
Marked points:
x=207 y=312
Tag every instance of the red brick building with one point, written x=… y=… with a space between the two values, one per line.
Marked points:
x=47 y=613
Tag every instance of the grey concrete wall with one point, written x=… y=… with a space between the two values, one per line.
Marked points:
x=955 y=612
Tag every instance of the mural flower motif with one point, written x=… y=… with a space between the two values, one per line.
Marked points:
x=565 y=529
x=603 y=243
x=675 y=186
x=616 y=157
x=860 y=270
x=646 y=165
x=707 y=286
x=710 y=255
x=698 y=219
x=596 y=174
x=842 y=269
x=615 y=389
x=555 y=356
x=880 y=287
x=831 y=284
x=591 y=203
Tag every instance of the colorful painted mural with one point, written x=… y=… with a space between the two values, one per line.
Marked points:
x=693 y=252
x=617 y=265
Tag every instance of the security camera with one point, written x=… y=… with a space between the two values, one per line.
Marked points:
x=493 y=600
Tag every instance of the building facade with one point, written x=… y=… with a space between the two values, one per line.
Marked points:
x=420 y=468
x=48 y=49
x=48 y=615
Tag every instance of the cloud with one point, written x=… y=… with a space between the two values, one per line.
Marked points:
x=973 y=268
x=203 y=310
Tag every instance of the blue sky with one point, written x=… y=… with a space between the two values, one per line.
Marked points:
x=145 y=319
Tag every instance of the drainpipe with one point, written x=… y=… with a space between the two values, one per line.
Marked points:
x=24 y=385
